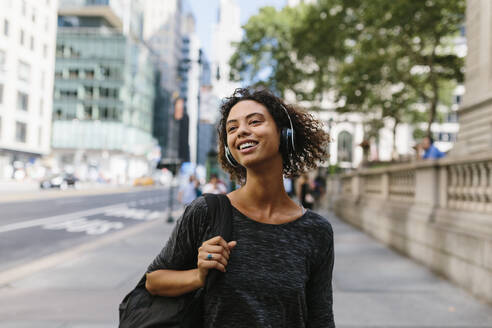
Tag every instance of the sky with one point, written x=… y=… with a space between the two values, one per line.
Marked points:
x=205 y=12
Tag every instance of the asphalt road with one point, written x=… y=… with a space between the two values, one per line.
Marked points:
x=33 y=229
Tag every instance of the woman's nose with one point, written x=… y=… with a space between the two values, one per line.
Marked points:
x=243 y=130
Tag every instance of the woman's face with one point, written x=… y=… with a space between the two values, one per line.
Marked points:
x=252 y=135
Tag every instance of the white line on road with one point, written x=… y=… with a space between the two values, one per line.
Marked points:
x=58 y=218
x=117 y=210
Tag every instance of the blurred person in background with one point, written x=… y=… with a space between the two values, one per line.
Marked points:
x=214 y=186
x=430 y=151
x=277 y=267
x=188 y=191
x=319 y=189
x=306 y=191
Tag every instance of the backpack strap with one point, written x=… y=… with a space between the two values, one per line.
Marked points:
x=219 y=210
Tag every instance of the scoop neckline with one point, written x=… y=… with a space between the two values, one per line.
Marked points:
x=244 y=216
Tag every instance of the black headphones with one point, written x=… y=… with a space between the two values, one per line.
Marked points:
x=287 y=144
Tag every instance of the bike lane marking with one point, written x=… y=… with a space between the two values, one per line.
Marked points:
x=122 y=209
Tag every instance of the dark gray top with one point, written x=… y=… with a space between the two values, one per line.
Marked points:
x=277 y=275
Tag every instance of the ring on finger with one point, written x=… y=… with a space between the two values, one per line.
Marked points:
x=209 y=257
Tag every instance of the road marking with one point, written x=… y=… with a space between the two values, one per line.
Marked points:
x=117 y=210
x=90 y=227
x=58 y=218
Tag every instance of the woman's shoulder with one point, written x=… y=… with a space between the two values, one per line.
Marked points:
x=318 y=223
x=196 y=211
x=198 y=204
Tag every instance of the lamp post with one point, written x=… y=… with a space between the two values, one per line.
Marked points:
x=172 y=165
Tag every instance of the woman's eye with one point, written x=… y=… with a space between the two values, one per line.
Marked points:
x=231 y=129
x=255 y=122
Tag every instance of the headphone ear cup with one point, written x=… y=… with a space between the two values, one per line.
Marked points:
x=286 y=140
x=229 y=157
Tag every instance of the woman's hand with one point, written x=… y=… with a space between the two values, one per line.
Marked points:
x=219 y=250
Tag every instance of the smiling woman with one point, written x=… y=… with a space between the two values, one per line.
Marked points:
x=309 y=138
x=277 y=263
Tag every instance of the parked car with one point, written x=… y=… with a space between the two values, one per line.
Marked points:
x=143 y=181
x=62 y=181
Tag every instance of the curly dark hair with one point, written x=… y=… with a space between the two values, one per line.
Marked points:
x=311 y=140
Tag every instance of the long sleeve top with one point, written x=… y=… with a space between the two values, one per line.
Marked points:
x=278 y=275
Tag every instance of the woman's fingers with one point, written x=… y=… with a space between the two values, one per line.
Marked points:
x=207 y=264
x=215 y=249
x=218 y=240
x=219 y=257
x=219 y=250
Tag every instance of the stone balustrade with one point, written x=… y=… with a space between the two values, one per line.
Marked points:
x=437 y=212
x=470 y=186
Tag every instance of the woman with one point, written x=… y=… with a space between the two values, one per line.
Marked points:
x=278 y=266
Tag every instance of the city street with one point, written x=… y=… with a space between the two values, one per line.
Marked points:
x=31 y=230
x=92 y=267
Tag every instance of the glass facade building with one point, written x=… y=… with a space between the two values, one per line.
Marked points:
x=103 y=98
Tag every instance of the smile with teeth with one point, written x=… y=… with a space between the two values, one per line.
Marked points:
x=247 y=145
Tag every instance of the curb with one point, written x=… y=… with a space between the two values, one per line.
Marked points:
x=51 y=194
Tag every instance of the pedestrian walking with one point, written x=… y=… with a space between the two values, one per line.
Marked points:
x=277 y=267
x=214 y=186
x=188 y=191
x=306 y=192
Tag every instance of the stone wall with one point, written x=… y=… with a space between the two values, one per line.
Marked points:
x=436 y=212
x=475 y=115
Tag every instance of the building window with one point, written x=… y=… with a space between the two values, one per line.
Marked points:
x=23 y=8
x=1 y=93
x=22 y=101
x=6 y=27
x=89 y=74
x=33 y=16
x=344 y=147
x=20 y=132
x=73 y=73
x=452 y=117
x=21 y=37
x=97 y=2
x=24 y=71
x=457 y=99
x=46 y=24
x=108 y=93
x=58 y=114
x=68 y=93
x=89 y=92
x=87 y=112
x=45 y=51
x=0 y=128
x=32 y=43
x=104 y=113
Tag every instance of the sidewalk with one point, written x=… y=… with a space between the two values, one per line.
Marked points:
x=373 y=286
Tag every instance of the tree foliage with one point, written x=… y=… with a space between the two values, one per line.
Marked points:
x=384 y=58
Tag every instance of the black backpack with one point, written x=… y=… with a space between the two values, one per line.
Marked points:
x=140 y=309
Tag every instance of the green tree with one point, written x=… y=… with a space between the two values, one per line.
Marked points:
x=265 y=55
x=394 y=54
x=382 y=58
